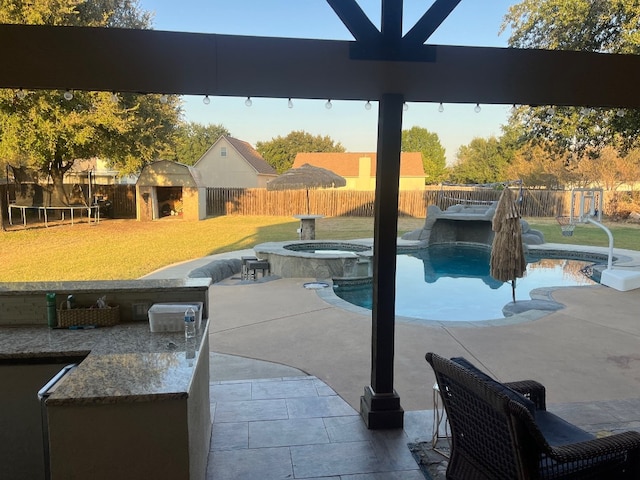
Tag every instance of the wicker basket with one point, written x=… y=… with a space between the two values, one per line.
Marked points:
x=100 y=317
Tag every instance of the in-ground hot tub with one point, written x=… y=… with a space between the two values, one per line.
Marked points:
x=317 y=259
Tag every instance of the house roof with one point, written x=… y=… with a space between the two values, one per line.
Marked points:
x=252 y=156
x=348 y=164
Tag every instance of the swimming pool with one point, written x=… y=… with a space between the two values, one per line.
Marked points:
x=451 y=282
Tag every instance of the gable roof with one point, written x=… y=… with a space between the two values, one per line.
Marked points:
x=169 y=173
x=252 y=156
x=348 y=164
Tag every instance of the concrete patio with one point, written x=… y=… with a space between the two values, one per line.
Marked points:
x=294 y=412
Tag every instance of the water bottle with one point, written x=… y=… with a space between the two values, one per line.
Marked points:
x=190 y=323
x=52 y=319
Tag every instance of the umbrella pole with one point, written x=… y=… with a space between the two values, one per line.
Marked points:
x=308 y=205
x=513 y=290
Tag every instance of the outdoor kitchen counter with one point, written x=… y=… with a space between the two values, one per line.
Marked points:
x=124 y=363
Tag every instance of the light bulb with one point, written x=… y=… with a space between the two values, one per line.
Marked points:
x=585 y=111
x=513 y=109
x=620 y=113
x=551 y=111
x=328 y=105
x=405 y=106
x=441 y=107
x=164 y=99
x=477 y=109
x=206 y=100
x=68 y=95
x=248 y=102
x=20 y=94
x=367 y=106
x=290 y=103
x=114 y=97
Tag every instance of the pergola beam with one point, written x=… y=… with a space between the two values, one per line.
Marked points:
x=149 y=61
x=355 y=20
x=430 y=21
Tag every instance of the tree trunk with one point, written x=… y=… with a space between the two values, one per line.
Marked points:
x=57 y=170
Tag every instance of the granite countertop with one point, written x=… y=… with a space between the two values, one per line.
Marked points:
x=124 y=363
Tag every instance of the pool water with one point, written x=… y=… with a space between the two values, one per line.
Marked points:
x=452 y=283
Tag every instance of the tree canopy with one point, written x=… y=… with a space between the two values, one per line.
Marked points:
x=482 y=161
x=44 y=130
x=418 y=139
x=194 y=139
x=606 y=26
x=280 y=152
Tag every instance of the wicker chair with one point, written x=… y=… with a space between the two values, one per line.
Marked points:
x=503 y=431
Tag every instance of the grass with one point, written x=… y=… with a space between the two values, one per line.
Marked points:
x=128 y=249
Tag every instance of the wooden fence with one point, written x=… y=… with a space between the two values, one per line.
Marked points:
x=122 y=198
x=331 y=203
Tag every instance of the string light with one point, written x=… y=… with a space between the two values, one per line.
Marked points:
x=20 y=94
x=248 y=102
x=477 y=108
x=441 y=107
x=367 y=106
x=513 y=109
x=164 y=99
x=206 y=100
x=620 y=113
x=551 y=111
x=114 y=97
x=405 y=106
x=290 y=103
x=68 y=95
x=328 y=105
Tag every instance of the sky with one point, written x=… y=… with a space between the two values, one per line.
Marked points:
x=472 y=23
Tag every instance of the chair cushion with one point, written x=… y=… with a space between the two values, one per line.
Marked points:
x=559 y=432
x=508 y=392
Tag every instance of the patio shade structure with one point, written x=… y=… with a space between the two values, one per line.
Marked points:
x=508 y=262
x=379 y=64
x=307 y=177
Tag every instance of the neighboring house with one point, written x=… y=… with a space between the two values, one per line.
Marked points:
x=359 y=169
x=232 y=163
x=99 y=172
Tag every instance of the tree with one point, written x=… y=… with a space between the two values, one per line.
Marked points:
x=609 y=170
x=608 y=26
x=482 y=161
x=280 y=152
x=418 y=139
x=539 y=165
x=45 y=131
x=194 y=139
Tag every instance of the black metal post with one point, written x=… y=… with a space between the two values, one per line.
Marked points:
x=380 y=404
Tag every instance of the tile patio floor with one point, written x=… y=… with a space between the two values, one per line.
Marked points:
x=298 y=427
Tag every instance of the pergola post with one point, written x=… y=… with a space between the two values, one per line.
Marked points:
x=380 y=405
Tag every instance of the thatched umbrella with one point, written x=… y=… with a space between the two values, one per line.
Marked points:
x=306 y=177
x=507 y=252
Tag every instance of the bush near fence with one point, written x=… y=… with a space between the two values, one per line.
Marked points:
x=334 y=203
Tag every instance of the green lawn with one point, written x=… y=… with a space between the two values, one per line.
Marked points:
x=128 y=249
